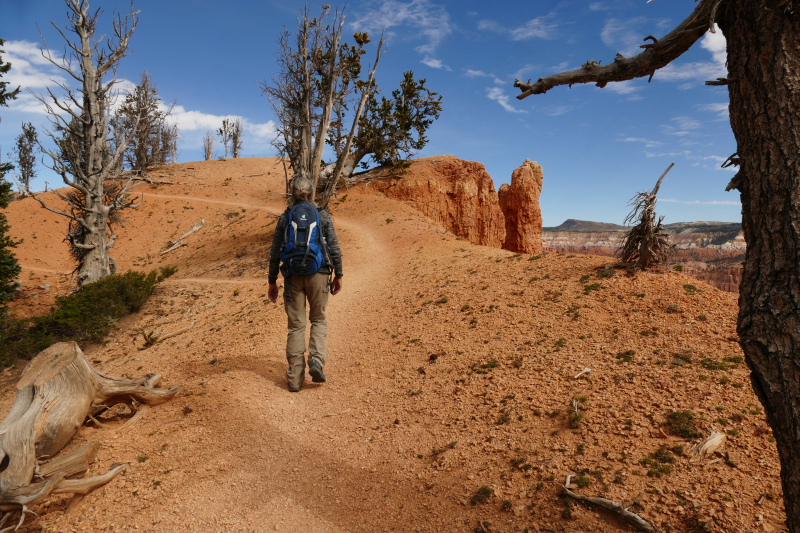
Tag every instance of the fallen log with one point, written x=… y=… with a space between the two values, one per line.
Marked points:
x=707 y=447
x=620 y=509
x=56 y=392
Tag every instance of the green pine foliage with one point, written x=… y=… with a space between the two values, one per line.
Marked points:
x=25 y=149
x=393 y=129
x=9 y=268
x=84 y=317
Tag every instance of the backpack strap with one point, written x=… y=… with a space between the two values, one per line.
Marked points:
x=286 y=229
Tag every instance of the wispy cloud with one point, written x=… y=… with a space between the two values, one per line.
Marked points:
x=520 y=74
x=683 y=126
x=623 y=87
x=647 y=142
x=542 y=27
x=599 y=6
x=698 y=202
x=721 y=109
x=561 y=67
x=498 y=95
x=555 y=111
x=427 y=20
x=481 y=74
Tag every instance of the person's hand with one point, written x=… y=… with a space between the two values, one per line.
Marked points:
x=337 y=286
x=272 y=293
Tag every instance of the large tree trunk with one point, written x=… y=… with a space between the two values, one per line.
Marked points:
x=57 y=391
x=764 y=87
x=96 y=264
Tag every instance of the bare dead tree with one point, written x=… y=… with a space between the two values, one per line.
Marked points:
x=25 y=149
x=82 y=158
x=208 y=146
x=224 y=134
x=647 y=243
x=317 y=71
x=762 y=81
x=236 y=136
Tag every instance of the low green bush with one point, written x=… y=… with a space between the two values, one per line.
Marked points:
x=85 y=316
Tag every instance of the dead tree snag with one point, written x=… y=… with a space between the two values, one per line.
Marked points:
x=57 y=391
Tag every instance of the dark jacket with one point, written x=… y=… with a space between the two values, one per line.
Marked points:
x=334 y=252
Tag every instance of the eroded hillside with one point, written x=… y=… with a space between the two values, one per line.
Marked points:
x=451 y=368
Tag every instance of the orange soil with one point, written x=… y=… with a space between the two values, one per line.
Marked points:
x=416 y=416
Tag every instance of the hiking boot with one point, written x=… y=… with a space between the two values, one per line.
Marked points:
x=294 y=389
x=315 y=370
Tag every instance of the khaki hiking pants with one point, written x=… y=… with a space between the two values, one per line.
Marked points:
x=313 y=288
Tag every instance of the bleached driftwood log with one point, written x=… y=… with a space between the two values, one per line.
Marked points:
x=707 y=447
x=57 y=391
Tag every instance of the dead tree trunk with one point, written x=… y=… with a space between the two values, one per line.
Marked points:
x=57 y=391
x=763 y=81
x=763 y=48
x=87 y=163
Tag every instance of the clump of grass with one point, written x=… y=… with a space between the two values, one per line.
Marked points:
x=658 y=462
x=607 y=272
x=442 y=300
x=691 y=289
x=491 y=364
x=482 y=495
x=678 y=268
x=561 y=342
x=587 y=289
x=673 y=308
x=465 y=307
x=143 y=458
x=682 y=423
x=584 y=279
x=626 y=357
x=712 y=364
x=702 y=317
x=582 y=481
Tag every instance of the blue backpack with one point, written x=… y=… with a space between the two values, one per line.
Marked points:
x=303 y=250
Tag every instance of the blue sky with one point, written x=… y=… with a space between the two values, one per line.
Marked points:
x=597 y=146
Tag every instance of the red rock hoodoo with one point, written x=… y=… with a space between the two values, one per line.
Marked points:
x=458 y=194
x=520 y=205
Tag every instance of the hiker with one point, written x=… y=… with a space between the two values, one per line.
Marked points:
x=307 y=250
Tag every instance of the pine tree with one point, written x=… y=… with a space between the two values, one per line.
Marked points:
x=25 y=150
x=9 y=268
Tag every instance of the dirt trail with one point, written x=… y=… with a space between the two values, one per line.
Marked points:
x=450 y=369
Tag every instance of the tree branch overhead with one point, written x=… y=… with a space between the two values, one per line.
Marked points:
x=656 y=55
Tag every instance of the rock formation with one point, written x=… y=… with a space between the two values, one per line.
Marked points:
x=458 y=194
x=520 y=204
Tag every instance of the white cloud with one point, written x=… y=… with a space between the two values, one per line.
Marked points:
x=429 y=21
x=698 y=202
x=599 y=6
x=202 y=122
x=647 y=142
x=685 y=153
x=434 y=63
x=29 y=70
x=561 y=67
x=683 y=127
x=541 y=27
x=700 y=71
x=497 y=94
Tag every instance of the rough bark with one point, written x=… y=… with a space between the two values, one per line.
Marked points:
x=764 y=69
x=763 y=83
x=57 y=391
x=83 y=158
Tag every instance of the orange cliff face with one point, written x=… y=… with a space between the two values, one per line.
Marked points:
x=520 y=204
x=458 y=194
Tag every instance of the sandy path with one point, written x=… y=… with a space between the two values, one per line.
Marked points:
x=450 y=368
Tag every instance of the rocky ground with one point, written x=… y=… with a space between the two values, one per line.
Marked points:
x=452 y=376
